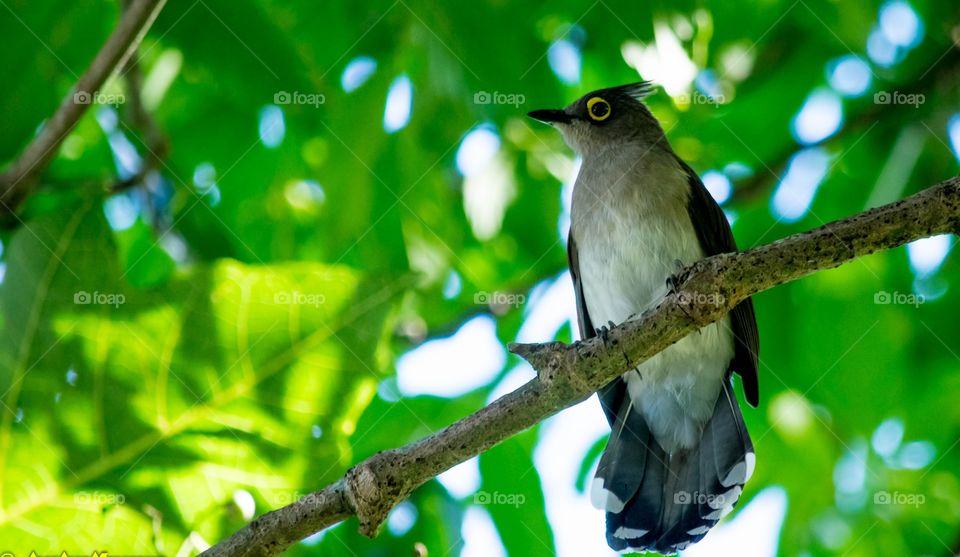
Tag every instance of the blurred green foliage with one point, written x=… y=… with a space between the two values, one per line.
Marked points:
x=231 y=337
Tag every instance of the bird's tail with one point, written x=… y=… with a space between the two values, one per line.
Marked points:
x=664 y=502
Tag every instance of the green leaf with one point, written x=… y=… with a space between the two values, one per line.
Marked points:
x=512 y=494
x=143 y=413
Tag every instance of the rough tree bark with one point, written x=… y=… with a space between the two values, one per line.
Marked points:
x=568 y=374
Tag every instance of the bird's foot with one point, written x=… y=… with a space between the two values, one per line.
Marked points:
x=677 y=278
x=604 y=333
x=674 y=282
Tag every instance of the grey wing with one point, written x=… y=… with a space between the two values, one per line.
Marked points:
x=715 y=236
x=612 y=394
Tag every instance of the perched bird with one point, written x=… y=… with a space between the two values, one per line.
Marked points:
x=679 y=453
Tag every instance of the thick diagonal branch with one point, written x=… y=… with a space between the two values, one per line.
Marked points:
x=568 y=374
x=21 y=176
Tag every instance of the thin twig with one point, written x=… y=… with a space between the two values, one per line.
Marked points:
x=156 y=145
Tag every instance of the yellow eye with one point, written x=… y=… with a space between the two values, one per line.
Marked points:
x=598 y=109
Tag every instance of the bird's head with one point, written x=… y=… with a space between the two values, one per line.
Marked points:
x=606 y=118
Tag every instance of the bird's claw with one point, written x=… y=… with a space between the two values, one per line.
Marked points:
x=604 y=333
x=675 y=280
x=673 y=285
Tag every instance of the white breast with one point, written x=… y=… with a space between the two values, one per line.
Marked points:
x=630 y=232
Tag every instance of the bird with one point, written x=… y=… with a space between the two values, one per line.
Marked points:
x=679 y=452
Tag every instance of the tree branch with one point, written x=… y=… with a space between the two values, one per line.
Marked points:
x=155 y=142
x=568 y=374
x=20 y=177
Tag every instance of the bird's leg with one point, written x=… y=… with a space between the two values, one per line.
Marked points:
x=676 y=279
x=604 y=333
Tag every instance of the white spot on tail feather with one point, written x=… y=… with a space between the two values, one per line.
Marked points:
x=735 y=475
x=715 y=515
x=751 y=460
x=604 y=499
x=625 y=533
x=698 y=531
x=725 y=499
x=719 y=513
x=741 y=472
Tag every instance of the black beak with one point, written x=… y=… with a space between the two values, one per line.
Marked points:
x=551 y=116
